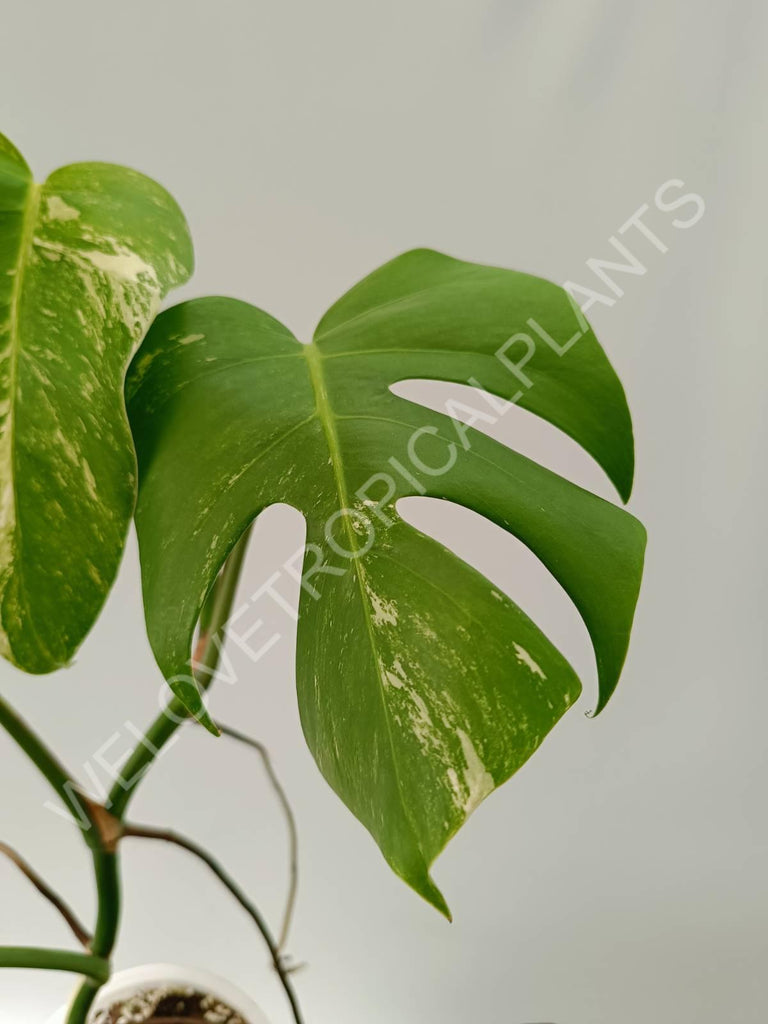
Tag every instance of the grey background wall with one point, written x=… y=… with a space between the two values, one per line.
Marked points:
x=620 y=877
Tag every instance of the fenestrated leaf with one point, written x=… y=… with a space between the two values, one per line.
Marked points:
x=84 y=261
x=421 y=687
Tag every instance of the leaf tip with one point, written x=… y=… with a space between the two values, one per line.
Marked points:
x=426 y=888
x=210 y=725
x=190 y=696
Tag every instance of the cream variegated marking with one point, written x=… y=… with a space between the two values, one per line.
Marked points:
x=524 y=657
x=57 y=209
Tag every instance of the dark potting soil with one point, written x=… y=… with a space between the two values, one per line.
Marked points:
x=169 y=1006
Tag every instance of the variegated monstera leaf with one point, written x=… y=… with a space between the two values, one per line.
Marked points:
x=84 y=260
x=421 y=687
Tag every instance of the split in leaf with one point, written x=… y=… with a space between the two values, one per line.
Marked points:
x=421 y=687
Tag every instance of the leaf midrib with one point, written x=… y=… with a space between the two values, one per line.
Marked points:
x=22 y=261
x=326 y=416
x=26 y=241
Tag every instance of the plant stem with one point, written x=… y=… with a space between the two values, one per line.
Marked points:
x=95 y=967
x=167 y=836
x=208 y=652
x=80 y=933
x=83 y=1000
x=106 y=869
x=51 y=768
x=55 y=960
x=290 y=819
x=106 y=864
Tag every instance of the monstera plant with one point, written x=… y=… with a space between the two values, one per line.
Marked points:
x=421 y=687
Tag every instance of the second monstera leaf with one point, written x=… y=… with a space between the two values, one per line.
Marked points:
x=421 y=687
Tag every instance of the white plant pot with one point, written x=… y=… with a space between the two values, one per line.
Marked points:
x=137 y=979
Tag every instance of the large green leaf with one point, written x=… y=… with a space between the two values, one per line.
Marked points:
x=84 y=261
x=421 y=687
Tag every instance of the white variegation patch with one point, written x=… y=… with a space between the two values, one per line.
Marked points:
x=383 y=612
x=477 y=780
x=525 y=659
x=57 y=209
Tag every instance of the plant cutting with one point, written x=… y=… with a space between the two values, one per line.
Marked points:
x=421 y=687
